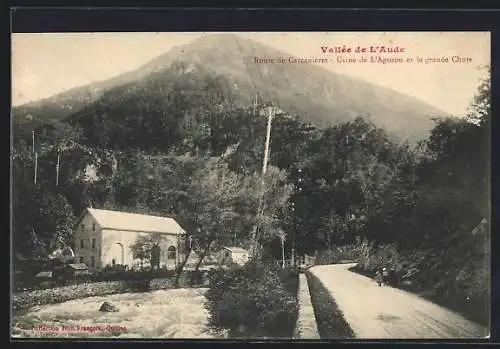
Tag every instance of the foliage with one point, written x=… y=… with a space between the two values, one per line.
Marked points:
x=263 y=202
x=213 y=192
x=252 y=301
x=41 y=219
x=352 y=252
x=143 y=246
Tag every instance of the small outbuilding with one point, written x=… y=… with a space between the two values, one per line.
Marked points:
x=229 y=255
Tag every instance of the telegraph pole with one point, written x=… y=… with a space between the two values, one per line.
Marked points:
x=36 y=166
x=57 y=168
x=33 y=140
x=264 y=170
x=266 y=147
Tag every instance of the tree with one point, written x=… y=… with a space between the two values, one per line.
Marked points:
x=143 y=247
x=213 y=192
x=40 y=220
x=479 y=112
x=209 y=209
x=282 y=237
x=265 y=201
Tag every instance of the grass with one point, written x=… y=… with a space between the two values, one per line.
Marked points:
x=330 y=319
x=290 y=281
x=174 y=313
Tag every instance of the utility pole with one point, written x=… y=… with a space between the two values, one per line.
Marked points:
x=254 y=115
x=57 y=168
x=36 y=166
x=266 y=147
x=33 y=140
x=264 y=170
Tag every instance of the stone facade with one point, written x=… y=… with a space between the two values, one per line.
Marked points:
x=116 y=248
x=99 y=247
x=88 y=242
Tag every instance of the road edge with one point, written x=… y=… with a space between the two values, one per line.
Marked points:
x=330 y=319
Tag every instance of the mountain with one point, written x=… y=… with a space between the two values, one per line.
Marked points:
x=315 y=93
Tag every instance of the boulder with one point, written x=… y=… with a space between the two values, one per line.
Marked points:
x=108 y=307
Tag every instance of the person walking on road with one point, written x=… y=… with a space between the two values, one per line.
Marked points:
x=379 y=278
x=385 y=276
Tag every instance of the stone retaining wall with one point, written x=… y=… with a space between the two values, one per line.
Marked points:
x=26 y=300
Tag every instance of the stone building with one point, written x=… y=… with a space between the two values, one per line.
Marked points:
x=104 y=238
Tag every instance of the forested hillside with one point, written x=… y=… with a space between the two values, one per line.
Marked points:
x=315 y=94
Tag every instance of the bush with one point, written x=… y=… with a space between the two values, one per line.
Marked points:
x=252 y=301
x=139 y=282
x=196 y=277
x=290 y=280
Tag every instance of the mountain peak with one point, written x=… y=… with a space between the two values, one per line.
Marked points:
x=313 y=92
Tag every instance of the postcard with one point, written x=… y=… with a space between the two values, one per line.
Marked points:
x=257 y=185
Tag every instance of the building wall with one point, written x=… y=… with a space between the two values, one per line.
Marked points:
x=227 y=257
x=88 y=230
x=239 y=257
x=116 y=246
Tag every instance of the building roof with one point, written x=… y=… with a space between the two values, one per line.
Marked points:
x=44 y=275
x=236 y=249
x=116 y=220
x=77 y=266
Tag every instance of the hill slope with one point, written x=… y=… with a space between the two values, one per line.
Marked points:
x=314 y=93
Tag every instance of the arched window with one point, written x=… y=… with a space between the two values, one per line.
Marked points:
x=171 y=252
x=115 y=255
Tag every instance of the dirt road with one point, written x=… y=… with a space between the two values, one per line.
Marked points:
x=375 y=312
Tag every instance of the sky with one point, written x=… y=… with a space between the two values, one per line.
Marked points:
x=46 y=64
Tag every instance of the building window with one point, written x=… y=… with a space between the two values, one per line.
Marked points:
x=171 y=252
x=83 y=226
x=93 y=243
x=92 y=261
x=81 y=259
x=82 y=243
x=93 y=226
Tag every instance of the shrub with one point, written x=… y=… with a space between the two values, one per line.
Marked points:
x=251 y=301
x=139 y=282
x=196 y=277
x=290 y=280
